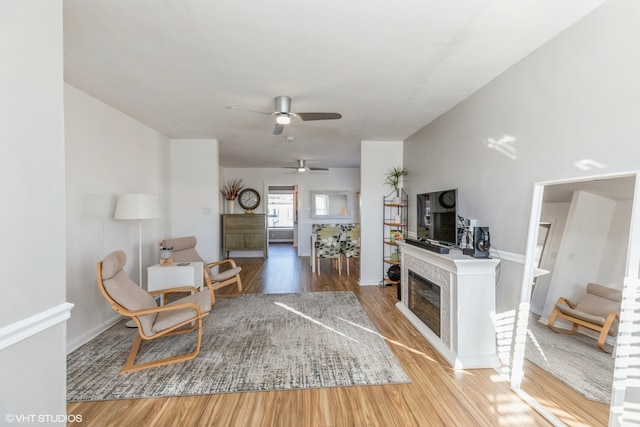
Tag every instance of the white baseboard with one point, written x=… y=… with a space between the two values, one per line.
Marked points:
x=91 y=334
x=25 y=328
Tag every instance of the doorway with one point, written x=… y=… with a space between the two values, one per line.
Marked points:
x=282 y=214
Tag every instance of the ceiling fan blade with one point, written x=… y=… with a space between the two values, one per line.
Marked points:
x=319 y=116
x=277 y=130
x=318 y=169
x=250 y=111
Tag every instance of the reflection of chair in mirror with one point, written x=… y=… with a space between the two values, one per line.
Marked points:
x=599 y=310
x=351 y=243
x=328 y=245
x=128 y=299
x=184 y=250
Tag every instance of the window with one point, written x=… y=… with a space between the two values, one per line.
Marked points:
x=280 y=208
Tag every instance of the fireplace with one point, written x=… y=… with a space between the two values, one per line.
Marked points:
x=424 y=300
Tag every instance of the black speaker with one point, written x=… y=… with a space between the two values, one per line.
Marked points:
x=481 y=242
x=393 y=273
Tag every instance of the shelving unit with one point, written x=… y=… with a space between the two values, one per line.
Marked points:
x=394 y=229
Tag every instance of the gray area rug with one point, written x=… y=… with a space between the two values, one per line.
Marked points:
x=575 y=360
x=250 y=343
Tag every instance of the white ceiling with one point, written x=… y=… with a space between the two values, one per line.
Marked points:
x=389 y=67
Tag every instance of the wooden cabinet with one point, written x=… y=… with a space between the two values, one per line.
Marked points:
x=244 y=232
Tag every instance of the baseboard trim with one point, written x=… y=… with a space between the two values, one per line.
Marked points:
x=77 y=342
x=25 y=328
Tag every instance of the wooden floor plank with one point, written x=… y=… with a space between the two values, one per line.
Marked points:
x=437 y=395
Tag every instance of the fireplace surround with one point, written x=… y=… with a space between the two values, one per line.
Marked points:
x=466 y=287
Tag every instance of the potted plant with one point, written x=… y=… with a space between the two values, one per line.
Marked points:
x=230 y=192
x=395 y=176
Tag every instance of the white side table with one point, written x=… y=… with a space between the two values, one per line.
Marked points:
x=166 y=276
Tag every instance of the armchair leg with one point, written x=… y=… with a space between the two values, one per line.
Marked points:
x=552 y=319
x=130 y=365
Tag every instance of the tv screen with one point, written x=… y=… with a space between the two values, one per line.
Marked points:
x=437 y=219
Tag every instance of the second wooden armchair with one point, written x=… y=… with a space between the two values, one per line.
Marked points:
x=184 y=250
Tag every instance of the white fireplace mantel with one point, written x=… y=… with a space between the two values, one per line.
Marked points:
x=467 y=332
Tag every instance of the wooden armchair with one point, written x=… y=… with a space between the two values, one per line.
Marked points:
x=599 y=311
x=127 y=298
x=184 y=250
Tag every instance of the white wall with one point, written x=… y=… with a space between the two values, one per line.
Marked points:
x=537 y=121
x=32 y=224
x=259 y=179
x=376 y=159
x=194 y=194
x=612 y=267
x=568 y=110
x=107 y=154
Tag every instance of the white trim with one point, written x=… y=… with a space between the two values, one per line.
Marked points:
x=508 y=256
x=91 y=334
x=25 y=328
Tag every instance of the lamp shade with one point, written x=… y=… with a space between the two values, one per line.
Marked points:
x=138 y=206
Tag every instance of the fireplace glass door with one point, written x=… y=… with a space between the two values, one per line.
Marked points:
x=424 y=301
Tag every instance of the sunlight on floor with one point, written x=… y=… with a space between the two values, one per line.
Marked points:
x=286 y=307
x=535 y=342
x=389 y=340
x=510 y=409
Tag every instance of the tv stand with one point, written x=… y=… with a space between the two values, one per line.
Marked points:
x=424 y=244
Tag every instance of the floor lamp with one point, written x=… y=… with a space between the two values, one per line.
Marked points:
x=138 y=206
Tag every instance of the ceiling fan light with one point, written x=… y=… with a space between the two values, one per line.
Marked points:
x=301 y=169
x=283 y=119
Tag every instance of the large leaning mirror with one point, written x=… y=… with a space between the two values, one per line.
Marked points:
x=331 y=204
x=580 y=232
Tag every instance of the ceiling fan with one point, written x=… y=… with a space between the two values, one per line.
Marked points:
x=283 y=114
x=302 y=168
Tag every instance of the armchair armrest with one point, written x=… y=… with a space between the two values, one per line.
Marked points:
x=216 y=263
x=136 y=313
x=567 y=301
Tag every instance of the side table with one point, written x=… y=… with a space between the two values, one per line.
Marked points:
x=164 y=276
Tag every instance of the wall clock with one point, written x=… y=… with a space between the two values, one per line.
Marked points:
x=249 y=199
x=447 y=199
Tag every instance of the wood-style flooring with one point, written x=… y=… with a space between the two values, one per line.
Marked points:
x=437 y=395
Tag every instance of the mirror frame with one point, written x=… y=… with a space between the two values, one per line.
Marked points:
x=629 y=320
x=332 y=193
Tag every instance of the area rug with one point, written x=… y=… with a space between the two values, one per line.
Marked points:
x=575 y=360
x=252 y=342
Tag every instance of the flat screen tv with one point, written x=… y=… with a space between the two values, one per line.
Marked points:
x=437 y=219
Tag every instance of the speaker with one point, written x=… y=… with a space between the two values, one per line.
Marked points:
x=393 y=273
x=481 y=242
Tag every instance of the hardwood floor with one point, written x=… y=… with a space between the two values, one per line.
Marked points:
x=437 y=395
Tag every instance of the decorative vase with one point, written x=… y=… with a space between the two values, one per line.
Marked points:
x=228 y=206
x=166 y=253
